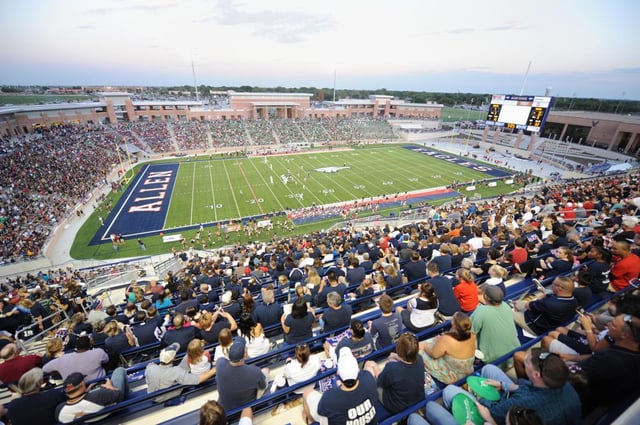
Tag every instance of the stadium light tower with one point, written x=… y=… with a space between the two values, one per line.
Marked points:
x=524 y=82
x=195 y=85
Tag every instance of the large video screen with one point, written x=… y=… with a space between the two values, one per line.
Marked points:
x=528 y=113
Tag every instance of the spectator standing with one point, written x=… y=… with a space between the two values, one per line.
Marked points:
x=493 y=324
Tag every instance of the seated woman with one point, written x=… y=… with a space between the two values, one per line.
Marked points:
x=402 y=379
x=420 y=312
x=450 y=357
x=257 y=343
x=466 y=291
x=302 y=367
x=360 y=343
x=225 y=339
x=551 y=266
x=496 y=277
x=298 y=326
x=116 y=342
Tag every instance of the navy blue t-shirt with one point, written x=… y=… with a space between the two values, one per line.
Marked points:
x=352 y=407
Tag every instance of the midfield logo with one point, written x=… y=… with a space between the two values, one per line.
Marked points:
x=330 y=169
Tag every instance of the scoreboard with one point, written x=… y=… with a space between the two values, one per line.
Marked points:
x=527 y=113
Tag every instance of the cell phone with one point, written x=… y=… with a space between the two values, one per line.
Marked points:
x=580 y=311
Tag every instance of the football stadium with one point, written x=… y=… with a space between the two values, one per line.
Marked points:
x=272 y=263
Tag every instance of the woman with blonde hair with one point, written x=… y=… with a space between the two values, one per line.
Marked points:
x=53 y=350
x=450 y=356
x=466 y=291
x=198 y=359
x=496 y=277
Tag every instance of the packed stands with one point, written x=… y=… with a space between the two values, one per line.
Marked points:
x=542 y=224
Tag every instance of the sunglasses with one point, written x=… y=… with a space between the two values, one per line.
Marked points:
x=541 y=360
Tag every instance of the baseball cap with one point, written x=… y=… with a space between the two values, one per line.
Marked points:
x=236 y=351
x=83 y=342
x=73 y=382
x=347 y=365
x=169 y=353
x=493 y=293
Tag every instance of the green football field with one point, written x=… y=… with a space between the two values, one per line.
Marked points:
x=215 y=190
x=220 y=190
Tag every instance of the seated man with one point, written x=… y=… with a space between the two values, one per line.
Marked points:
x=35 y=406
x=337 y=315
x=165 y=374
x=613 y=373
x=85 y=359
x=353 y=401
x=546 y=390
x=547 y=312
x=15 y=365
x=179 y=333
x=239 y=383
x=82 y=401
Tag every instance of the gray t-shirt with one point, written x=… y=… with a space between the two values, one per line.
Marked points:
x=164 y=376
x=88 y=363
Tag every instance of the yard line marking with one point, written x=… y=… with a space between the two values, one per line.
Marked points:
x=193 y=193
x=224 y=165
x=253 y=193
x=213 y=192
x=265 y=183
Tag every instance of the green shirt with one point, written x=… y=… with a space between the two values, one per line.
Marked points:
x=495 y=329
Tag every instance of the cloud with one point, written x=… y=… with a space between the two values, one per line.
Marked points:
x=85 y=27
x=140 y=7
x=284 y=26
x=499 y=28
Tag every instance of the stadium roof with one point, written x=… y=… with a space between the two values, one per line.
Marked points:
x=275 y=104
x=628 y=119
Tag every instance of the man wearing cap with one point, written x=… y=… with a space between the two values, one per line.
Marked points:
x=352 y=402
x=546 y=390
x=493 y=324
x=87 y=360
x=165 y=374
x=84 y=400
x=239 y=383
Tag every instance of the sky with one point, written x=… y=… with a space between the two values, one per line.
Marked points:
x=585 y=48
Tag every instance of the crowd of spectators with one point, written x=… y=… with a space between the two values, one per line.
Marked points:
x=477 y=239
x=43 y=176
x=48 y=173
